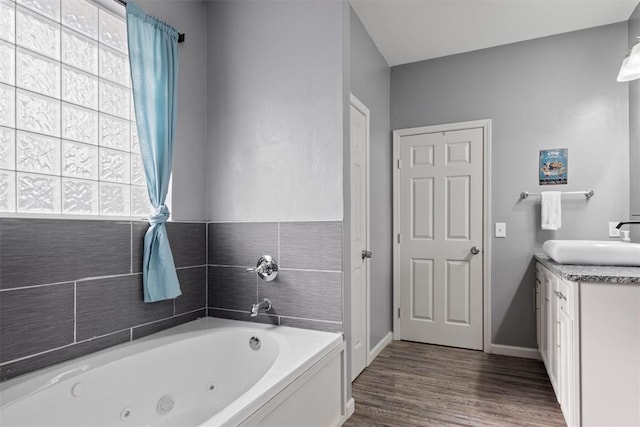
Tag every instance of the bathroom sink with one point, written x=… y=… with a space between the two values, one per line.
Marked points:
x=592 y=252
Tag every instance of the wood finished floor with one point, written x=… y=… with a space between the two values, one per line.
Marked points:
x=412 y=384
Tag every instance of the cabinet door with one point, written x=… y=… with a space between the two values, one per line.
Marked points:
x=544 y=350
x=552 y=330
x=568 y=364
x=542 y=313
x=566 y=368
x=538 y=302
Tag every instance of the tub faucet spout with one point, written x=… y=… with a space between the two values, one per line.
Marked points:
x=265 y=305
x=620 y=224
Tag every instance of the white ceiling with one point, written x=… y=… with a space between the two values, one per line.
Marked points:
x=414 y=30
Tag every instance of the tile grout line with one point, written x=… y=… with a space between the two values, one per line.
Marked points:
x=167 y=318
x=279 y=316
x=75 y=312
x=206 y=275
x=112 y=276
x=36 y=286
x=333 y=322
x=233 y=310
x=191 y=266
x=131 y=249
x=81 y=279
x=280 y=269
x=130 y=329
x=91 y=278
x=275 y=220
x=62 y=347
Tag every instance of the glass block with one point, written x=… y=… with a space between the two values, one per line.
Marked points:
x=37 y=153
x=37 y=33
x=114 y=132
x=79 y=124
x=114 y=199
x=137 y=170
x=48 y=8
x=114 y=66
x=80 y=15
x=7 y=21
x=79 y=160
x=114 y=165
x=79 y=51
x=135 y=142
x=7 y=63
x=37 y=113
x=38 y=193
x=140 y=204
x=79 y=88
x=7 y=191
x=38 y=73
x=79 y=196
x=7 y=148
x=114 y=99
x=113 y=31
x=7 y=106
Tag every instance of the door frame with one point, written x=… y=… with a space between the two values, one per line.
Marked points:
x=359 y=105
x=486 y=221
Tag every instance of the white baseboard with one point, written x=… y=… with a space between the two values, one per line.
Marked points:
x=375 y=351
x=350 y=409
x=509 y=350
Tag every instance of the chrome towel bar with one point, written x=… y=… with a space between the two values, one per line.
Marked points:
x=587 y=193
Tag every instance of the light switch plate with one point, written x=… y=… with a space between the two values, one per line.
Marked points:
x=613 y=231
x=501 y=229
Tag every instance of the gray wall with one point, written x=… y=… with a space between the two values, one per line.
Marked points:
x=370 y=84
x=554 y=92
x=275 y=110
x=188 y=191
x=634 y=130
x=277 y=85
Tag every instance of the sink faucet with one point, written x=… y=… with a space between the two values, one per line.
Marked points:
x=265 y=305
x=620 y=224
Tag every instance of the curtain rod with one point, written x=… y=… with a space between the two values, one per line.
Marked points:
x=180 y=35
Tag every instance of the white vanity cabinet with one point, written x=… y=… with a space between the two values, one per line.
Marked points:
x=558 y=336
x=568 y=351
x=589 y=341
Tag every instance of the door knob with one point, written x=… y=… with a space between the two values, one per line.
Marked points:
x=475 y=250
x=366 y=254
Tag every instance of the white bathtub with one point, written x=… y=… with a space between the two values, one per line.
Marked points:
x=200 y=373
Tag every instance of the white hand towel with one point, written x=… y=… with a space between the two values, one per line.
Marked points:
x=551 y=212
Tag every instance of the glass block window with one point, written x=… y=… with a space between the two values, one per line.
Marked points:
x=68 y=142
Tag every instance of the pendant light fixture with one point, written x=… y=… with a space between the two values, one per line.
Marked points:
x=630 y=68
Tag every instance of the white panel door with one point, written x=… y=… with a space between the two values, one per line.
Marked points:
x=441 y=217
x=359 y=237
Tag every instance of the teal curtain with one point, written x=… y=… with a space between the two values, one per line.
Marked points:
x=153 y=55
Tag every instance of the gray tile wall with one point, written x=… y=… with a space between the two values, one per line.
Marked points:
x=73 y=287
x=308 y=290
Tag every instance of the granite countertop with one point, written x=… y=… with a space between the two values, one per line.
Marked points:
x=591 y=273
